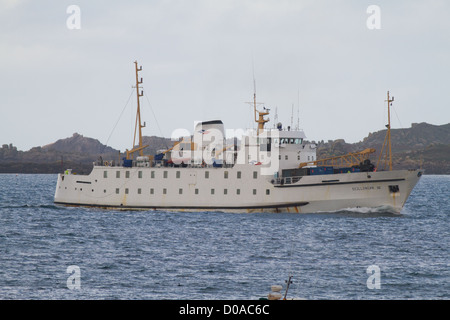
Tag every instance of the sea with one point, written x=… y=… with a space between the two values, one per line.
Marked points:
x=53 y=252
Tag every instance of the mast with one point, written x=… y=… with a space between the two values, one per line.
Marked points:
x=389 y=129
x=288 y=282
x=260 y=118
x=387 y=139
x=138 y=125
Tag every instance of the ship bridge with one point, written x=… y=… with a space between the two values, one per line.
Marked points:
x=283 y=148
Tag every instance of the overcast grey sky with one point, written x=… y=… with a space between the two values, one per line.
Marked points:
x=197 y=58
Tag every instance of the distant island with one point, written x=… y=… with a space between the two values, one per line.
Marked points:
x=423 y=145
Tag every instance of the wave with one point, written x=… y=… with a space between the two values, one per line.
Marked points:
x=369 y=211
x=21 y=206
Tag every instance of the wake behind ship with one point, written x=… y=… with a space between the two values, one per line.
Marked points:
x=268 y=170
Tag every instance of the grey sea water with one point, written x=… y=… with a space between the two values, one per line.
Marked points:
x=214 y=255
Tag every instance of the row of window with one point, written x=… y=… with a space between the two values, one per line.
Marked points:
x=177 y=174
x=310 y=158
x=180 y=191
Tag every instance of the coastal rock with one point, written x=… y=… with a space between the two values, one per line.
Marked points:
x=423 y=145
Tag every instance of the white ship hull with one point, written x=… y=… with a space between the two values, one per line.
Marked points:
x=238 y=189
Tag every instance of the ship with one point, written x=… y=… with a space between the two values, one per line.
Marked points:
x=265 y=170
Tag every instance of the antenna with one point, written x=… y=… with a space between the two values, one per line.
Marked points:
x=298 y=110
x=254 y=81
x=292 y=117
x=275 y=118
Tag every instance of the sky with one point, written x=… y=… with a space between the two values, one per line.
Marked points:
x=325 y=64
